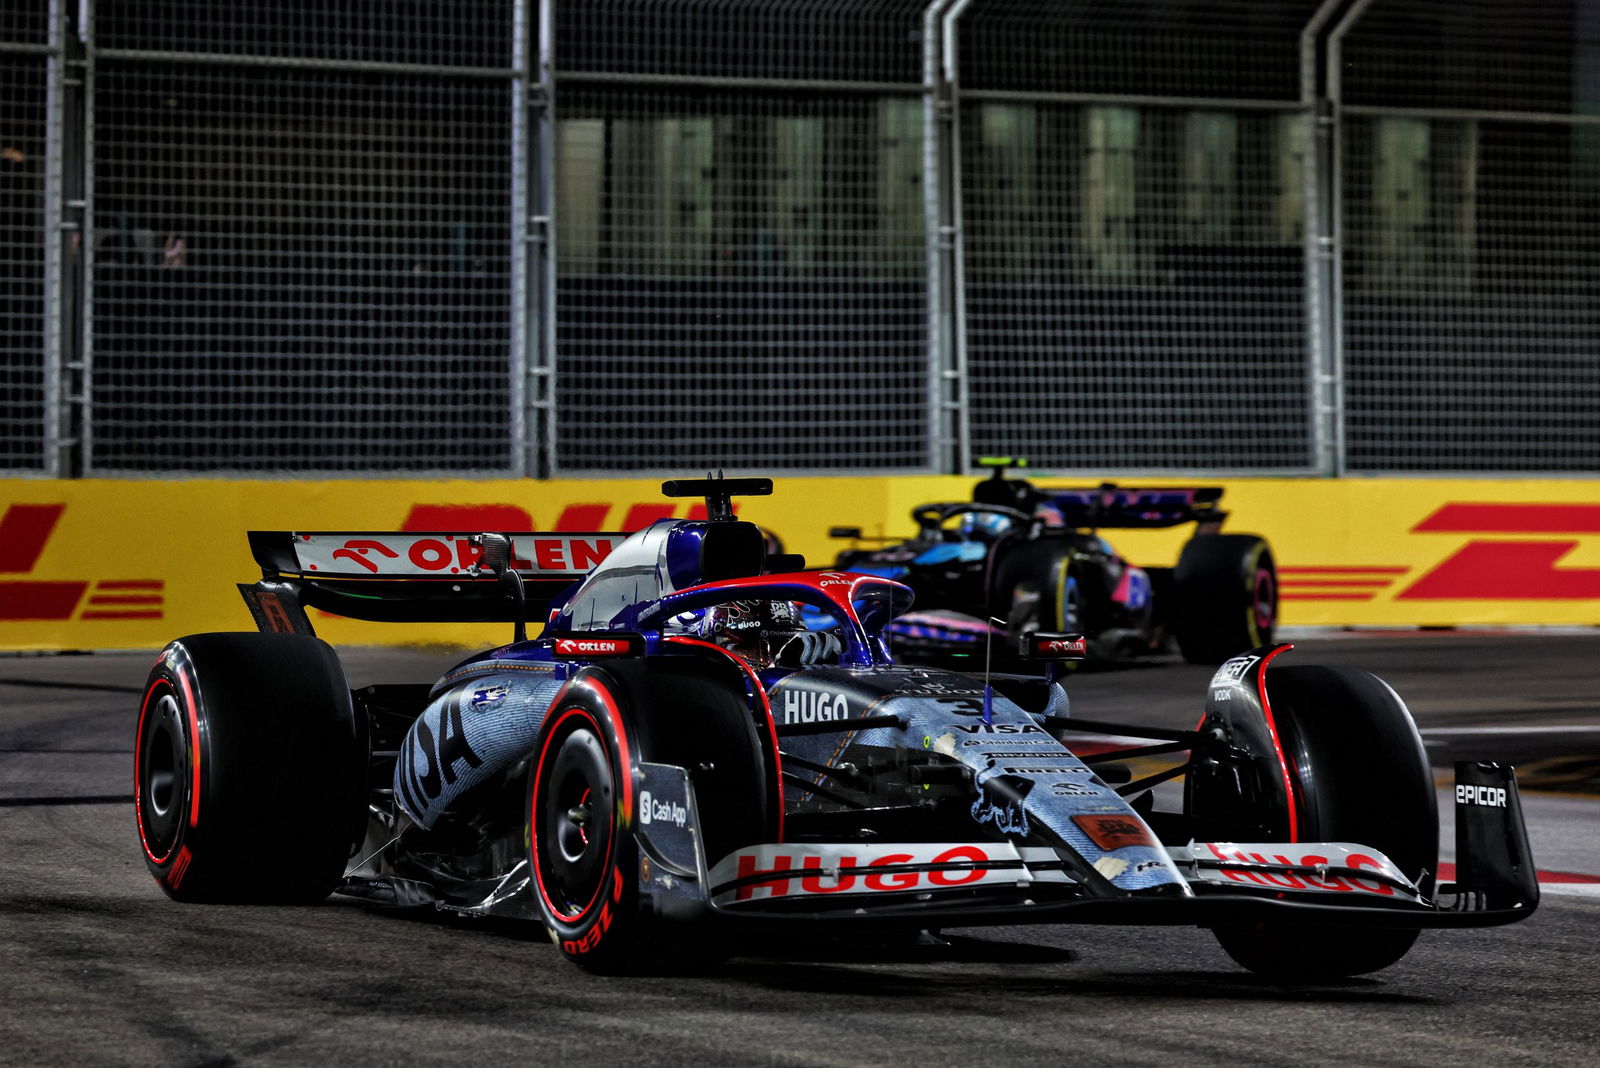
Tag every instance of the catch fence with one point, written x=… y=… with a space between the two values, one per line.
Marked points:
x=581 y=237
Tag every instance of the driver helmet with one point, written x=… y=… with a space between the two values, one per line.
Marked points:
x=983 y=526
x=752 y=630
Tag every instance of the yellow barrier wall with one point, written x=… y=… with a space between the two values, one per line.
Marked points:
x=122 y=564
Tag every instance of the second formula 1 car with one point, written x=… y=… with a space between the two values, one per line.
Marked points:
x=673 y=763
x=1018 y=558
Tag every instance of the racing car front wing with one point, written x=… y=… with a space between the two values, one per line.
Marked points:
x=1005 y=882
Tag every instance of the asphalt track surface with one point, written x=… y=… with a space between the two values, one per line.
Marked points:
x=98 y=967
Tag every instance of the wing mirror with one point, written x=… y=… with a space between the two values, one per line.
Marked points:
x=494 y=556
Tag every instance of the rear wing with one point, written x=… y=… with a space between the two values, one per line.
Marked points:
x=1115 y=506
x=411 y=577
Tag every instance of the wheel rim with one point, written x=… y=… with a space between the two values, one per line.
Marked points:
x=574 y=813
x=163 y=778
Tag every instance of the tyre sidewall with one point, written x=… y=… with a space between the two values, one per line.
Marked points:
x=269 y=792
x=682 y=711
x=599 y=933
x=1360 y=775
x=1360 y=768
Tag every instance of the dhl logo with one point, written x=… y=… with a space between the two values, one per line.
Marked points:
x=1500 y=568
x=1492 y=552
x=587 y=516
x=25 y=530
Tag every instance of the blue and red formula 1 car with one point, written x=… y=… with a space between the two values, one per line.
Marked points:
x=1019 y=558
x=674 y=756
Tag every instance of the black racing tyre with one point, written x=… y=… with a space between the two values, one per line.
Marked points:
x=1225 y=588
x=1361 y=775
x=581 y=803
x=1034 y=589
x=248 y=769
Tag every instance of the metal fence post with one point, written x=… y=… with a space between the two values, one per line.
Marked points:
x=522 y=461
x=60 y=208
x=80 y=188
x=55 y=233
x=68 y=249
x=533 y=243
x=544 y=175
x=1334 y=91
x=948 y=423
x=1321 y=251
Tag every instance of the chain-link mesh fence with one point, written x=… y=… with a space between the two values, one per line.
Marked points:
x=301 y=266
x=1133 y=190
x=1471 y=196
x=742 y=275
x=741 y=282
x=381 y=238
x=425 y=33
x=23 y=84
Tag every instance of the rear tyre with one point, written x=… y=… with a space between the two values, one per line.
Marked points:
x=582 y=805
x=1226 y=591
x=248 y=769
x=1362 y=776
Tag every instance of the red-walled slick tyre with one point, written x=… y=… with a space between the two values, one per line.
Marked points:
x=580 y=800
x=247 y=769
x=582 y=805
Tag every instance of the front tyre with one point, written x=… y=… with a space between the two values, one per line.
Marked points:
x=1225 y=588
x=1360 y=774
x=582 y=805
x=583 y=862
x=248 y=769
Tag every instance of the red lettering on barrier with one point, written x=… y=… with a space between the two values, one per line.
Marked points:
x=1485 y=570
x=1507 y=571
x=24 y=531
x=40 y=600
x=642 y=515
x=1460 y=517
x=498 y=517
x=580 y=517
x=584 y=517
